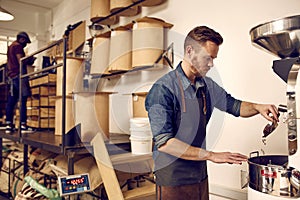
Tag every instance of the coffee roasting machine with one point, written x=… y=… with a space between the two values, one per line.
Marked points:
x=275 y=177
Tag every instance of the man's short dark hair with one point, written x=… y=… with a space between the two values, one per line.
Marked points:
x=201 y=34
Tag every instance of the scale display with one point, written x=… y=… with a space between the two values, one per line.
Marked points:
x=74 y=184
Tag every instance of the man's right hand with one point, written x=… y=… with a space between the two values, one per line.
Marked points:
x=226 y=157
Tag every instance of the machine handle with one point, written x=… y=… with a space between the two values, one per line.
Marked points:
x=254 y=152
x=282 y=108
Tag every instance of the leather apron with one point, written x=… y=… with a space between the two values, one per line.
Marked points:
x=179 y=178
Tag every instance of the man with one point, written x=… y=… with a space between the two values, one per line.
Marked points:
x=179 y=107
x=14 y=54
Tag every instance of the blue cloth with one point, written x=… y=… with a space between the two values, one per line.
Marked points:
x=164 y=104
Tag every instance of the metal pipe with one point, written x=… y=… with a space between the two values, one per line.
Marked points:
x=64 y=71
x=42 y=70
x=118 y=11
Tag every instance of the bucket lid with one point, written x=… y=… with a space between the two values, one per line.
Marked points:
x=134 y=137
x=139 y=120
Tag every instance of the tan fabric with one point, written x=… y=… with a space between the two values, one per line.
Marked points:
x=197 y=191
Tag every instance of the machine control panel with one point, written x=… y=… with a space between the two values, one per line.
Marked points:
x=74 y=184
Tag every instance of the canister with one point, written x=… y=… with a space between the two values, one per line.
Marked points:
x=101 y=9
x=148 y=41
x=120 y=55
x=117 y=5
x=100 y=54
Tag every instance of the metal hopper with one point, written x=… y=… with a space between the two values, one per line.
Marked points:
x=279 y=37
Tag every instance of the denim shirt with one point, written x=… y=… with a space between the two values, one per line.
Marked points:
x=163 y=103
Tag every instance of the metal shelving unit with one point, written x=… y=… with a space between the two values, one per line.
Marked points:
x=47 y=140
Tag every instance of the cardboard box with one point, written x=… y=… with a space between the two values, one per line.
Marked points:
x=123 y=107
x=69 y=120
x=138 y=102
x=74 y=75
x=93 y=116
x=120 y=112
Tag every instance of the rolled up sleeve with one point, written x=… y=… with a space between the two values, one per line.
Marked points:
x=160 y=107
x=222 y=100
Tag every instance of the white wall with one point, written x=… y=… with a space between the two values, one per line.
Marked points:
x=245 y=70
x=69 y=12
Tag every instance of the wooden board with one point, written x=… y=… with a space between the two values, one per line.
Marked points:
x=44 y=90
x=109 y=177
x=43 y=101
x=49 y=78
x=140 y=192
x=41 y=112
x=42 y=123
x=106 y=169
x=77 y=37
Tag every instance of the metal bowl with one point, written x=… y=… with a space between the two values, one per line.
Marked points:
x=279 y=37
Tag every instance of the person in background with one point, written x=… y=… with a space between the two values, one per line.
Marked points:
x=179 y=106
x=14 y=54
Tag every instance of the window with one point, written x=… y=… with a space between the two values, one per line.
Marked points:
x=5 y=41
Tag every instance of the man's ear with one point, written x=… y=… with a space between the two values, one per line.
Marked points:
x=189 y=50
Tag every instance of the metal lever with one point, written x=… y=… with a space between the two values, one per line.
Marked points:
x=271 y=126
x=282 y=108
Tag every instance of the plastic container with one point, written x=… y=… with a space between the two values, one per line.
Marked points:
x=139 y=122
x=141 y=134
x=140 y=127
x=141 y=145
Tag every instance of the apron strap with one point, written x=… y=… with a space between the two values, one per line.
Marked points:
x=181 y=93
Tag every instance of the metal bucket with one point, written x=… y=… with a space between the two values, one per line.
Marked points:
x=270 y=174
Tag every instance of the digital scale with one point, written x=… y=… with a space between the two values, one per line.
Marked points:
x=74 y=184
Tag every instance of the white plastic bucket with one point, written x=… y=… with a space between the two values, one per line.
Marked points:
x=141 y=134
x=140 y=127
x=141 y=145
x=139 y=122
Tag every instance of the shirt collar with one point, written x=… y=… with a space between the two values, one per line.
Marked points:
x=186 y=82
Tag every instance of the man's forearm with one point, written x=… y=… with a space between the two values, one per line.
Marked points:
x=183 y=150
x=248 y=109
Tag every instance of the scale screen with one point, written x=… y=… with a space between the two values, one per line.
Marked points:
x=74 y=184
